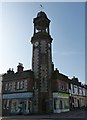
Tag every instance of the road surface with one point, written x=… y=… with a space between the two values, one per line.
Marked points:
x=71 y=115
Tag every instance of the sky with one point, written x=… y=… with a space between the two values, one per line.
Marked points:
x=67 y=28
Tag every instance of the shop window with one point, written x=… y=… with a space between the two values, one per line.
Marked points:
x=20 y=107
x=7 y=104
x=13 y=106
x=55 y=103
x=61 y=104
x=66 y=103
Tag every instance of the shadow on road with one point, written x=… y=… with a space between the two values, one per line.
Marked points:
x=78 y=114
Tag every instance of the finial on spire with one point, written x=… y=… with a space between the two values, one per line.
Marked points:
x=41 y=7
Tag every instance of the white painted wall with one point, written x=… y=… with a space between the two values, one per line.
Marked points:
x=80 y=91
x=74 y=89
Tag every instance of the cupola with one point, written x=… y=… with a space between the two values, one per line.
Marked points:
x=41 y=23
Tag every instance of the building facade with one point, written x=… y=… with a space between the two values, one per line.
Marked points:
x=77 y=94
x=86 y=96
x=1 y=76
x=17 y=92
x=60 y=92
x=42 y=89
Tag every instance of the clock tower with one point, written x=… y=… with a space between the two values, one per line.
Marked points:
x=42 y=62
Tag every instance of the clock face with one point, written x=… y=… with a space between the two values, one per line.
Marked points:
x=36 y=44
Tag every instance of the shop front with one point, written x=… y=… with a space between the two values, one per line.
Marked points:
x=17 y=103
x=82 y=101
x=60 y=102
x=79 y=101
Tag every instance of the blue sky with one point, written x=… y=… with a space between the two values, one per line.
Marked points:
x=67 y=29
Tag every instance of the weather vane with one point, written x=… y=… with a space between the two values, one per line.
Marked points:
x=41 y=7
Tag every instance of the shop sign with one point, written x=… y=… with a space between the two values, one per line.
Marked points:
x=18 y=95
x=60 y=95
x=63 y=94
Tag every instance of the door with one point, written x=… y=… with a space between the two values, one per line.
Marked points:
x=78 y=103
x=61 y=104
x=43 y=105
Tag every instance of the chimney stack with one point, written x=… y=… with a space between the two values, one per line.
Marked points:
x=20 y=67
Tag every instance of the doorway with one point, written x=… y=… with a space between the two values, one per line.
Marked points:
x=61 y=104
x=78 y=103
x=44 y=105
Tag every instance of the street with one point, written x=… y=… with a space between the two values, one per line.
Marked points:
x=71 y=115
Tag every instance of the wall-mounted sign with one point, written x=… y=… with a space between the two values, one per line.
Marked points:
x=18 y=95
x=59 y=94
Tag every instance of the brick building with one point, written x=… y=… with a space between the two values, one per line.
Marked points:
x=17 y=91
x=42 y=89
x=60 y=92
